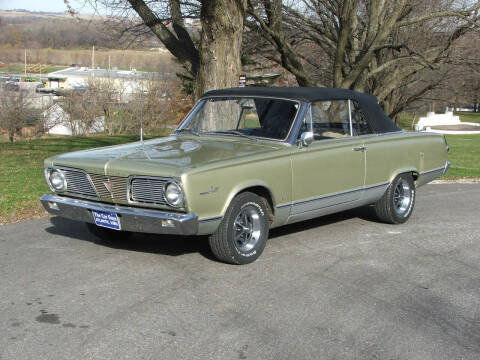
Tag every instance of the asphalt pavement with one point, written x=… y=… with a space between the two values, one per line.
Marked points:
x=338 y=287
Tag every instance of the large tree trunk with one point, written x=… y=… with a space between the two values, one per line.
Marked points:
x=220 y=44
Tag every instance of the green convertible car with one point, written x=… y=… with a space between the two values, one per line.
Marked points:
x=245 y=160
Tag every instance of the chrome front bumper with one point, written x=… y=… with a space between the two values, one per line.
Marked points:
x=131 y=218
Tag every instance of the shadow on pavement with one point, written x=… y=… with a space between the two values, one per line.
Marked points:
x=365 y=213
x=178 y=245
x=149 y=243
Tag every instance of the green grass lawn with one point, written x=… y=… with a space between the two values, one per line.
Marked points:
x=21 y=170
x=469 y=117
x=464 y=155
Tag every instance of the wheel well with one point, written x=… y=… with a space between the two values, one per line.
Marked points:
x=415 y=176
x=264 y=193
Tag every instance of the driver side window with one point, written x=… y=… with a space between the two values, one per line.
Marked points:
x=328 y=119
x=335 y=119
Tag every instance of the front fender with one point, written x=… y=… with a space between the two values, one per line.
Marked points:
x=208 y=225
x=244 y=185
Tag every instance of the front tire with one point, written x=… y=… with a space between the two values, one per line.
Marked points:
x=243 y=232
x=396 y=205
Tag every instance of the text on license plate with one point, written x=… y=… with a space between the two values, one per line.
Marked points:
x=106 y=219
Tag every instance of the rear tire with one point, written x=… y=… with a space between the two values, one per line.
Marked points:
x=396 y=205
x=108 y=234
x=243 y=232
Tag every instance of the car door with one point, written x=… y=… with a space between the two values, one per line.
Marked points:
x=381 y=155
x=328 y=174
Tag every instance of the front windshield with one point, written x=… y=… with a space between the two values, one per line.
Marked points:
x=258 y=117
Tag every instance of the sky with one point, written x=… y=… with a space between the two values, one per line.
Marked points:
x=45 y=5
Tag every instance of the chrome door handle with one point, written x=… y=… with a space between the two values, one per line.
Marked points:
x=360 y=148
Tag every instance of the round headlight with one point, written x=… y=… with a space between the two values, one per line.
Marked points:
x=57 y=180
x=174 y=194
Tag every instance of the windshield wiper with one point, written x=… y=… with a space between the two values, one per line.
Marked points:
x=232 y=132
x=191 y=131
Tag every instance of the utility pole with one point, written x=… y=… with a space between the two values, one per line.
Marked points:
x=108 y=62
x=25 y=69
x=93 y=57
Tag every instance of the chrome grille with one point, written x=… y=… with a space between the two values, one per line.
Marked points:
x=148 y=190
x=142 y=190
x=78 y=183
x=119 y=187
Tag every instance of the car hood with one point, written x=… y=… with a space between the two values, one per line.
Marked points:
x=170 y=156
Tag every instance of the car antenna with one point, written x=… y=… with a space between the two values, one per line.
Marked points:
x=141 y=124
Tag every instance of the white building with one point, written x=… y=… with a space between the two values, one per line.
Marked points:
x=57 y=121
x=433 y=119
x=127 y=82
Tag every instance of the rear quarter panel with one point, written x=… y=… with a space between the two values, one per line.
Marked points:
x=391 y=154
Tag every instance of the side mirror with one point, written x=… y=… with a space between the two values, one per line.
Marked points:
x=306 y=138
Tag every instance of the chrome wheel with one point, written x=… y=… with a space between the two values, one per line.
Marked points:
x=247 y=228
x=402 y=197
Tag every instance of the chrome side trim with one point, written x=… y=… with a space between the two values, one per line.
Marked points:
x=386 y=133
x=430 y=175
x=372 y=193
x=131 y=218
x=340 y=193
x=323 y=211
x=376 y=185
x=325 y=201
x=433 y=170
x=210 y=219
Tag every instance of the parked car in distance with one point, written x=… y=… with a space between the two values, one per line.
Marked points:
x=80 y=88
x=39 y=87
x=245 y=160
x=12 y=86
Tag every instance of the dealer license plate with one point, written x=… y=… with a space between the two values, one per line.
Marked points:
x=106 y=219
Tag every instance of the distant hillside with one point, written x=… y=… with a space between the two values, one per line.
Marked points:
x=20 y=15
x=25 y=29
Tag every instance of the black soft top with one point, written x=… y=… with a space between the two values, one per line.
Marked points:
x=369 y=104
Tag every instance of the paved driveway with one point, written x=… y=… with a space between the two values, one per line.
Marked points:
x=339 y=287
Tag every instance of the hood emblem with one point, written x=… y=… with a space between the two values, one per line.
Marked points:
x=108 y=186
